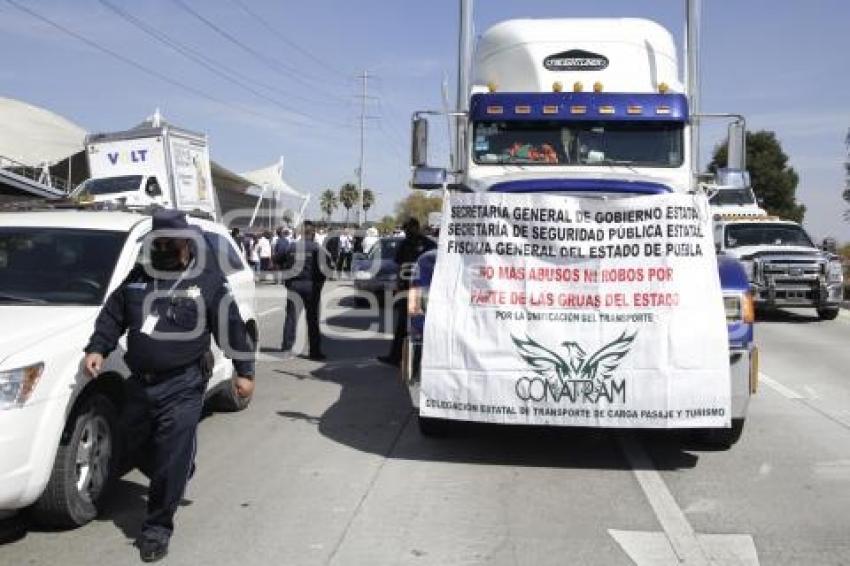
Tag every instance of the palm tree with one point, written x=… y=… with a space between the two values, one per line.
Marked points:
x=348 y=197
x=368 y=201
x=328 y=203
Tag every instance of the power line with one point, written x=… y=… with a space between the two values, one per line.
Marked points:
x=145 y=69
x=274 y=31
x=224 y=72
x=269 y=62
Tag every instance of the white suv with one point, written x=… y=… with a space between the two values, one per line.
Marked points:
x=59 y=438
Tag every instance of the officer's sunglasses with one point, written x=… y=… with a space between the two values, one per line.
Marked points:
x=165 y=245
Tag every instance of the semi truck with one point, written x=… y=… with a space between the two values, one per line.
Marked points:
x=592 y=108
x=153 y=164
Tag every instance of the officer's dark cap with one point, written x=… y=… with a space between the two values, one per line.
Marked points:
x=172 y=223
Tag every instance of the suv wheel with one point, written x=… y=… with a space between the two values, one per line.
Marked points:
x=84 y=468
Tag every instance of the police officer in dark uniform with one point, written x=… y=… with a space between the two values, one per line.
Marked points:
x=305 y=265
x=412 y=246
x=169 y=312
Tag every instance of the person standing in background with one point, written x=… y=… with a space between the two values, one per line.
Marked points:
x=409 y=250
x=264 y=252
x=305 y=265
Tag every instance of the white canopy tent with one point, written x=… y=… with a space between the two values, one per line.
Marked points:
x=269 y=181
x=36 y=150
x=33 y=136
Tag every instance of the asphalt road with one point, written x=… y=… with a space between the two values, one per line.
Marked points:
x=327 y=467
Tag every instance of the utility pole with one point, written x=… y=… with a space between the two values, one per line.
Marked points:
x=363 y=97
x=846 y=193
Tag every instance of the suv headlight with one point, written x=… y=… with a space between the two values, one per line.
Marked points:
x=739 y=308
x=835 y=272
x=16 y=385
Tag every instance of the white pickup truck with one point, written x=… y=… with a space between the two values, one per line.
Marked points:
x=59 y=437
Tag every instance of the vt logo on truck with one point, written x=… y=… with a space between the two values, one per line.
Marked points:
x=577 y=376
x=136 y=156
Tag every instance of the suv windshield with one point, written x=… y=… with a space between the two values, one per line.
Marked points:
x=110 y=185
x=644 y=144
x=733 y=196
x=56 y=265
x=760 y=234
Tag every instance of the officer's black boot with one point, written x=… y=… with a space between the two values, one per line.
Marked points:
x=151 y=550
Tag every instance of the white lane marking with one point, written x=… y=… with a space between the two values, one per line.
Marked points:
x=269 y=311
x=678 y=545
x=783 y=390
x=673 y=521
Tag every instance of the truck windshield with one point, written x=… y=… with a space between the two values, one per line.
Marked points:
x=41 y=266
x=644 y=144
x=763 y=234
x=733 y=197
x=110 y=185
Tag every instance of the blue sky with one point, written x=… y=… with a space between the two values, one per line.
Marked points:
x=290 y=85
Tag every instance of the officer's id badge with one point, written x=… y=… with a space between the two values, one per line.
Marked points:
x=193 y=292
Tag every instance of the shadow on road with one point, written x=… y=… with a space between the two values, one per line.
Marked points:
x=797 y=316
x=374 y=414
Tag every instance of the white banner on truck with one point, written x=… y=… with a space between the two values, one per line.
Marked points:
x=572 y=311
x=192 y=176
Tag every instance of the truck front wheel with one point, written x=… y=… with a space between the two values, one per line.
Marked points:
x=84 y=468
x=828 y=313
x=434 y=428
x=721 y=438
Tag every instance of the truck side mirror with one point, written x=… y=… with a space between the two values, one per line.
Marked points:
x=419 y=146
x=829 y=245
x=736 y=148
x=152 y=189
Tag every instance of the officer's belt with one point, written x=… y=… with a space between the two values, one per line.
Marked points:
x=155 y=377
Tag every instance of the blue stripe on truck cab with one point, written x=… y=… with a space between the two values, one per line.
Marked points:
x=580 y=185
x=578 y=107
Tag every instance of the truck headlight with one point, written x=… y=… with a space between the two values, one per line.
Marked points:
x=16 y=385
x=748 y=269
x=739 y=308
x=835 y=272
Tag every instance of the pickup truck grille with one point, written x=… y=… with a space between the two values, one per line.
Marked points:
x=799 y=269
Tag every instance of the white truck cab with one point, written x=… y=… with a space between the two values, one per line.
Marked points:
x=58 y=427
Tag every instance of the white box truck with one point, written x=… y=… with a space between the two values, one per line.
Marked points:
x=150 y=165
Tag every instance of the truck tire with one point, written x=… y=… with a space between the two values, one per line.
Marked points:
x=223 y=399
x=85 y=466
x=721 y=438
x=828 y=314
x=434 y=428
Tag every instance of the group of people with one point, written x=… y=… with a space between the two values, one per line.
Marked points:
x=261 y=248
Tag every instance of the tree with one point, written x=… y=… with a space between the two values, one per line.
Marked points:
x=418 y=206
x=368 y=201
x=348 y=197
x=386 y=225
x=773 y=180
x=328 y=203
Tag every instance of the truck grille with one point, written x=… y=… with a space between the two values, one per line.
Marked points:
x=787 y=269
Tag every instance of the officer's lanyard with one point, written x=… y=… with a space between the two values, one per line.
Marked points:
x=170 y=292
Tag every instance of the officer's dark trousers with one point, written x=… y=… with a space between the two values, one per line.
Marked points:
x=160 y=421
x=400 y=330
x=306 y=295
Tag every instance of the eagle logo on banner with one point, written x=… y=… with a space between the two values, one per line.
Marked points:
x=575 y=375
